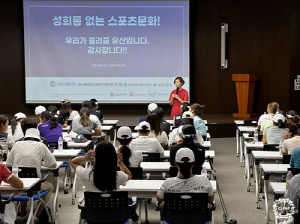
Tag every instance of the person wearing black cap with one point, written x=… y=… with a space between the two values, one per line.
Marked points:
x=185 y=180
x=131 y=158
x=187 y=135
x=95 y=110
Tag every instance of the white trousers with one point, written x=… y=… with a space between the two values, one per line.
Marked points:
x=10 y=214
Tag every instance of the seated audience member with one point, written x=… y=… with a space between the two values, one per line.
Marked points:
x=187 y=118
x=269 y=123
x=53 y=111
x=30 y=153
x=6 y=139
x=38 y=110
x=295 y=158
x=272 y=108
x=185 y=180
x=131 y=158
x=199 y=124
x=6 y=175
x=185 y=106
x=15 y=126
x=187 y=136
x=83 y=124
x=95 y=111
x=293 y=189
x=104 y=175
x=156 y=131
x=151 y=107
x=273 y=134
x=165 y=126
x=66 y=110
x=92 y=117
x=292 y=119
x=143 y=142
x=49 y=127
x=290 y=144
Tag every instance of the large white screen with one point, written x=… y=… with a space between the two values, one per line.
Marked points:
x=114 y=51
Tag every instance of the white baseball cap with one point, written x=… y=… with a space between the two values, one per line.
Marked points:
x=124 y=132
x=144 y=125
x=278 y=117
x=152 y=107
x=188 y=114
x=39 y=109
x=19 y=115
x=184 y=152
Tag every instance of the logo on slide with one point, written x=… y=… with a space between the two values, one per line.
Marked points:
x=52 y=83
x=112 y=94
x=131 y=94
x=152 y=94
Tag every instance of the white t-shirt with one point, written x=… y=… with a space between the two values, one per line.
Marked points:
x=146 y=144
x=174 y=137
x=264 y=117
x=18 y=132
x=135 y=159
x=196 y=183
x=274 y=134
x=87 y=177
x=162 y=138
x=92 y=118
x=73 y=114
x=290 y=144
x=30 y=154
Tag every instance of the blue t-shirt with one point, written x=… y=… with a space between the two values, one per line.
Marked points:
x=200 y=125
x=51 y=135
x=295 y=158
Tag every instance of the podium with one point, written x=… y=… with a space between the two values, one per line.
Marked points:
x=245 y=86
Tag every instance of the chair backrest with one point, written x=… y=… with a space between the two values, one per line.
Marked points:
x=55 y=145
x=136 y=172
x=151 y=156
x=286 y=159
x=295 y=171
x=260 y=138
x=103 y=207
x=174 y=170
x=271 y=147
x=250 y=123
x=87 y=136
x=26 y=172
x=186 y=208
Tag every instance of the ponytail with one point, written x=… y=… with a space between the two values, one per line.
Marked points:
x=85 y=116
x=198 y=109
x=13 y=125
x=280 y=124
x=125 y=150
x=53 y=122
x=185 y=168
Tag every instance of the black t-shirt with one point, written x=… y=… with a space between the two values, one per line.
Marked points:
x=97 y=113
x=177 y=120
x=199 y=155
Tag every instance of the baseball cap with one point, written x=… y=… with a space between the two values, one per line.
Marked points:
x=152 y=107
x=65 y=100
x=278 y=117
x=144 y=125
x=39 y=109
x=124 y=132
x=182 y=153
x=19 y=115
x=188 y=114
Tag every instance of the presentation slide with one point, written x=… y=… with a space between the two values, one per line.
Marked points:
x=113 y=51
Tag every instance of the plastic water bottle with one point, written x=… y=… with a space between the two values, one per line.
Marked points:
x=60 y=144
x=289 y=176
x=15 y=169
x=265 y=112
x=204 y=171
x=255 y=135
x=280 y=146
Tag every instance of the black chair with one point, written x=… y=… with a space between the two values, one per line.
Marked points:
x=250 y=123
x=295 y=171
x=185 y=208
x=87 y=136
x=54 y=145
x=105 y=207
x=136 y=172
x=271 y=147
x=286 y=159
x=151 y=157
x=174 y=170
x=3 y=203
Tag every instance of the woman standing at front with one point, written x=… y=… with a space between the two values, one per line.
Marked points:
x=178 y=96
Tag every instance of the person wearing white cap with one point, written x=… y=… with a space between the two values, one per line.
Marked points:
x=185 y=180
x=272 y=108
x=151 y=107
x=39 y=109
x=31 y=152
x=15 y=126
x=143 y=142
x=131 y=158
x=273 y=134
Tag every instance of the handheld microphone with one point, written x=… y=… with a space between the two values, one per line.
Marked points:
x=177 y=90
